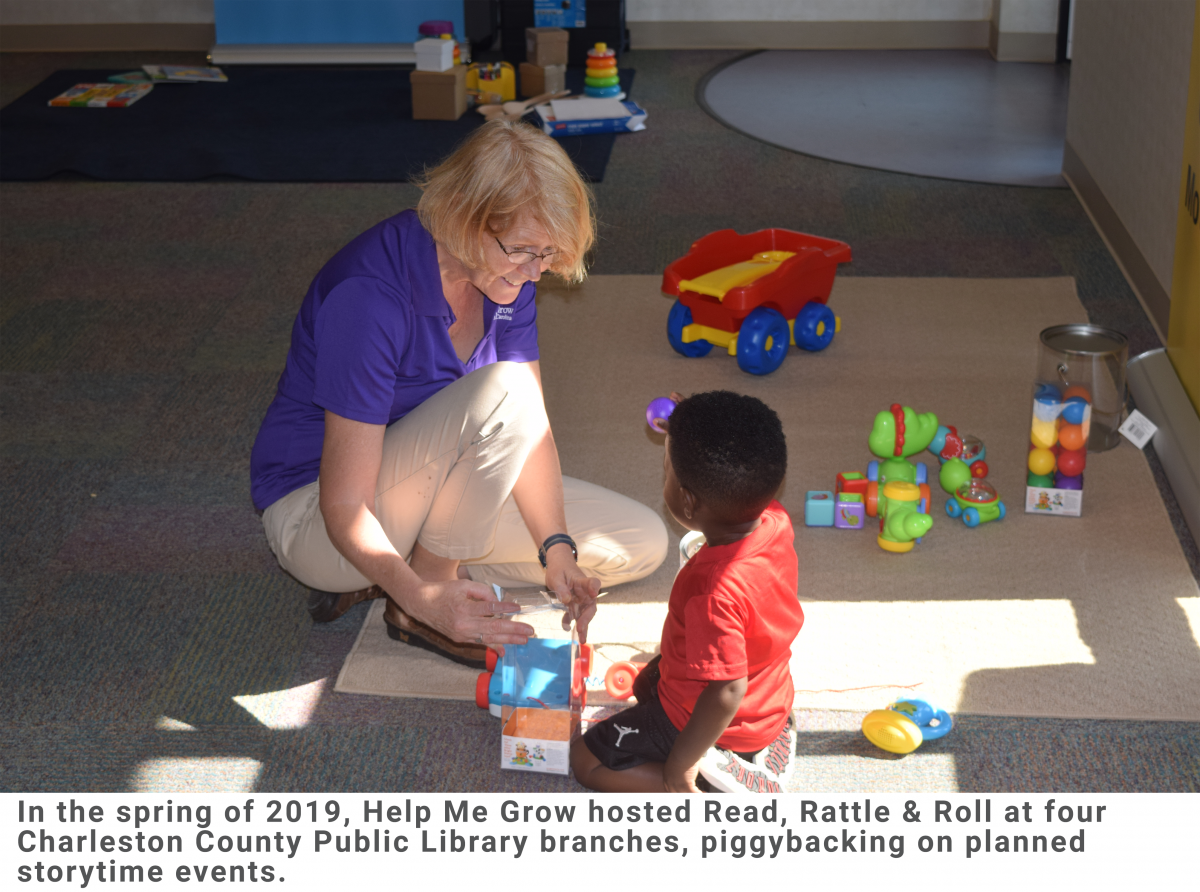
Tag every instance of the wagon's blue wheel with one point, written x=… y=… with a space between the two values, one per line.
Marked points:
x=762 y=341
x=1003 y=510
x=971 y=517
x=873 y=471
x=953 y=508
x=922 y=473
x=679 y=317
x=815 y=326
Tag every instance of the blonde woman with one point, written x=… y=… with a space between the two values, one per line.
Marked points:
x=407 y=453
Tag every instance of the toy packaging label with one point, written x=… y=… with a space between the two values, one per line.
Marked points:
x=633 y=120
x=1046 y=500
x=536 y=739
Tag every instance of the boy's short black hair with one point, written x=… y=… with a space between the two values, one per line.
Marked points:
x=729 y=450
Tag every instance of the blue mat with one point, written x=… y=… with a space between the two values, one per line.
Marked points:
x=266 y=124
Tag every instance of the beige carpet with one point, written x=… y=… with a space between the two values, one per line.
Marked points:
x=1094 y=616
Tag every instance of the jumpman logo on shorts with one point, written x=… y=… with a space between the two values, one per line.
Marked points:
x=624 y=731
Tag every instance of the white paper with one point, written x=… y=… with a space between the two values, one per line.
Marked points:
x=587 y=109
x=1138 y=429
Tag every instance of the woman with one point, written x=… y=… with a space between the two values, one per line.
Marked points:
x=407 y=452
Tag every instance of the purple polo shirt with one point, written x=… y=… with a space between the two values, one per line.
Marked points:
x=371 y=343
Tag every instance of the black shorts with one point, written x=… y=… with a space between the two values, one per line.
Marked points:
x=637 y=735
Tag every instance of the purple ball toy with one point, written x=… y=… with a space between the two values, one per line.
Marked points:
x=1062 y=481
x=659 y=408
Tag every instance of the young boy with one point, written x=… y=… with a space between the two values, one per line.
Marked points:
x=717 y=701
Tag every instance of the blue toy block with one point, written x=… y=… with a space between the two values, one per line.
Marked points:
x=818 y=508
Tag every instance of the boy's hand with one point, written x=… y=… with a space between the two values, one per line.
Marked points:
x=662 y=425
x=715 y=708
x=574 y=588
x=680 y=779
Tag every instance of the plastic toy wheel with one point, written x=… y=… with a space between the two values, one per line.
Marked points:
x=1003 y=510
x=762 y=342
x=481 y=689
x=618 y=680
x=873 y=471
x=922 y=473
x=953 y=508
x=815 y=326
x=971 y=517
x=872 y=499
x=490 y=659
x=680 y=317
x=926 y=500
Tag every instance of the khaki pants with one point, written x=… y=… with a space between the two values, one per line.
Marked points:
x=448 y=470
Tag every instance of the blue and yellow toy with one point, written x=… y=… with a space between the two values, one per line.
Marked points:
x=905 y=725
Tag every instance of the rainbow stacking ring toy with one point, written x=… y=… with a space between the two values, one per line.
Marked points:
x=601 y=79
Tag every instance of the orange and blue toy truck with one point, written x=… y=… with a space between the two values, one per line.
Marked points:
x=754 y=295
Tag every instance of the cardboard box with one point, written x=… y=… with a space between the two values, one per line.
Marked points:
x=632 y=120
x=546 y=46
x=539 y=79
x=439 y=95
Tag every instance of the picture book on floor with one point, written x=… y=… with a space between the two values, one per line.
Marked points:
x=130 y=77
x=101 y=95
x=187 y=74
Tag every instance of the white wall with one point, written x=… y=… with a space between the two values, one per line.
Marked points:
x=106 y=12
x=1125 y=120
x=1027 y=16
x=807 y=10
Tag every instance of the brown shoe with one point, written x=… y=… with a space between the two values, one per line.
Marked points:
x=325 y=607
x=402 y=627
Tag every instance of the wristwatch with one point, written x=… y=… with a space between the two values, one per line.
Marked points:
x=556 y=539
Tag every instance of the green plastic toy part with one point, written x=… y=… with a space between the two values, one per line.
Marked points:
x=898 y=433
x=954 y=473
x=901 y=432
x=902 y=522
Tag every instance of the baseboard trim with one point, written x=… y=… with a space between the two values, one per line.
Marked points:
x=1153 y=296
x=1012 y=46
x=313 y=54
x=103 y=38
x=808 y=35
x=1160 y=396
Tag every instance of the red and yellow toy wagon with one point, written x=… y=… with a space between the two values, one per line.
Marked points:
x=754 y=295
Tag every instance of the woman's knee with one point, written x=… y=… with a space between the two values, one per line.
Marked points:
x=629 y=553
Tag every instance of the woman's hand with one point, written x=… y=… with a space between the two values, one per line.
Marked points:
x=467 y=612
x=574 y=588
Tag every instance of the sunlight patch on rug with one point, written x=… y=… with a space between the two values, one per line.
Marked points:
x=196 y=775
x=281 y=710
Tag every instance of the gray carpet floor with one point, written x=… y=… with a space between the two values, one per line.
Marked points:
x=142 y=330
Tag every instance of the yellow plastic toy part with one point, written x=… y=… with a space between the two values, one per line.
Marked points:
x=721 y=281
x=718 y=337
x=891 y=731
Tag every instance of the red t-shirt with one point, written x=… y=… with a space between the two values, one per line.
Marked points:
x=734 y=612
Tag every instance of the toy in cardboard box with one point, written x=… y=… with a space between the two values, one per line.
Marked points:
x=1078 y=400
x=538 y=689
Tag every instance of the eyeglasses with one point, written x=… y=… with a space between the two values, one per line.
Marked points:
x=522 y=257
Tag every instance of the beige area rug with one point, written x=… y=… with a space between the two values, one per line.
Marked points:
x=1094 y=617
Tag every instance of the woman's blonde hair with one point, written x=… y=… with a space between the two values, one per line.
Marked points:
x=500 y=171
